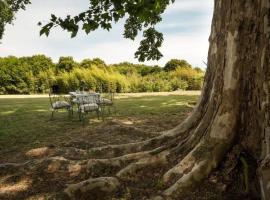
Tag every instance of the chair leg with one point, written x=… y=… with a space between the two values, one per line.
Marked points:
x=98 y=113
x=103 y=112
x=52 y=114
x=71 y=110
x=83 y=118
x=114 y=109
x=80 y=115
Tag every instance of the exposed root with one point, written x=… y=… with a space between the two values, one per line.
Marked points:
x=179 y=170
x=96 y=188
x=111 y=151
x=196 y=166
x=109 y=166
x=156 y=160
x=198 y=172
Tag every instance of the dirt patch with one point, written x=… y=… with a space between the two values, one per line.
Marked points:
x=146 y=184
x=120 y=130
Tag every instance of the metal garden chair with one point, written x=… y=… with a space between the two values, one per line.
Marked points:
x=107 y=100
x=59 y=102
x=88 y=103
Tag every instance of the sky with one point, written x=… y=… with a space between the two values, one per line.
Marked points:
x=186 y=28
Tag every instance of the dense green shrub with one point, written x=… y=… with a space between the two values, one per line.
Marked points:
x=195 y=83
x=175 y=63
x=66 y=64
x=178 y=84
x=37 y=74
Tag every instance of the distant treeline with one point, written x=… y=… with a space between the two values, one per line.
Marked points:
x=37 y=74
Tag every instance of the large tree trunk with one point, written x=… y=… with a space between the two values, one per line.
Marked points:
x=233 y=110
x=239 y=52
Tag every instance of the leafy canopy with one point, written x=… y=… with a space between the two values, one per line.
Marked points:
x=139 y=15
x=8 y=8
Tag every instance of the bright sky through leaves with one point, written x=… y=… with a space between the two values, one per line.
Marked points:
x=185 y=25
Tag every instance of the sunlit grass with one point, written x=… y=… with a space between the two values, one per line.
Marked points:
x=26 y=123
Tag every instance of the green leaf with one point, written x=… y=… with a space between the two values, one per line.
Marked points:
x=87 y=28
x=74 y=33
x=53 y=18
x=45 y=31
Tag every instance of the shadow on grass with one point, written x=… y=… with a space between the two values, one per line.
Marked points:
x=26 y=123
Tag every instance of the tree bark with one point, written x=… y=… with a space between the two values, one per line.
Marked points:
x=241 y=29
x=239 y=48
x=233 y=110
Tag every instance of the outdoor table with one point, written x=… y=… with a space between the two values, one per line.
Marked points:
x=76 y=95
x=86 y=102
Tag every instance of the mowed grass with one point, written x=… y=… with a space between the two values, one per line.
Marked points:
x=26 y=123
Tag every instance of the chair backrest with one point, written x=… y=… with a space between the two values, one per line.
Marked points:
x=109 y=95
x=53 y=98
x=110 y=90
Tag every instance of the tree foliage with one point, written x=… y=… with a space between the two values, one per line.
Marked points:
x=37 y=74
x=174 y=63
x=140 y=15
x=8 y=8
x=66 y=64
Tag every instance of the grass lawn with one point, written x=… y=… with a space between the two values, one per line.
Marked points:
x=26 y=124
x=26 y=127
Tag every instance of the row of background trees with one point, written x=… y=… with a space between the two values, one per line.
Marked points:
x=38 y=73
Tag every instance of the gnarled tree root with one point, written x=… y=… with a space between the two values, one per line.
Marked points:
x=96 y=188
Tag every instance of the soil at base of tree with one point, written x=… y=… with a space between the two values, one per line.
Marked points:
x=228 y=183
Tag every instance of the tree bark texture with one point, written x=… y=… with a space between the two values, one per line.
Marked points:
x=239 y=48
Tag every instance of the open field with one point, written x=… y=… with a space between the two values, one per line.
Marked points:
x=25 y=122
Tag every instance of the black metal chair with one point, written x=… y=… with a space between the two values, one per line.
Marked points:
x=59 y=102
x=107 y=100
x=88 y=103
